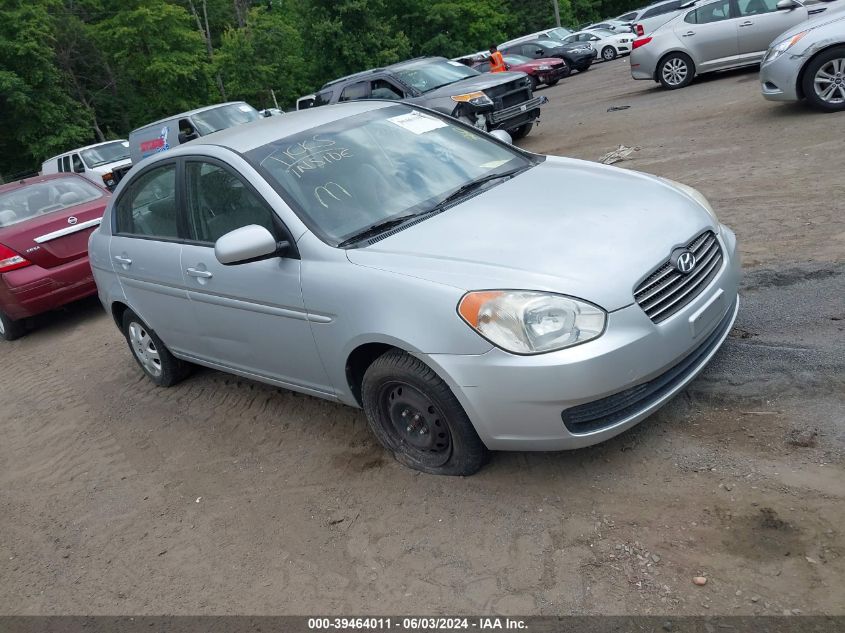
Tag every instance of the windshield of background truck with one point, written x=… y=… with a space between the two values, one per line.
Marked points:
x=429 y=76
x=224 y=117
x=104 y=154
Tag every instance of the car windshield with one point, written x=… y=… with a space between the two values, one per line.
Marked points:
x=516 y=59
x=104 y=154
x=224 y=117
x=39 y=198
x=354 y=173
x=429 y=75
x=559 y=33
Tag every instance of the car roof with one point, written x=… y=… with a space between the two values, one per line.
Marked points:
x=25 y=182
x=188 y=113
x=248 y=136
x=81 y=149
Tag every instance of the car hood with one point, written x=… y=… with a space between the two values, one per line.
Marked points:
x=566 y=226
x=474 y=84
x=829 y=16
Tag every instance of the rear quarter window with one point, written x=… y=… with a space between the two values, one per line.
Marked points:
x=662 y=9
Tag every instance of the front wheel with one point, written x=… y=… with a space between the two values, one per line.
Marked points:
x=824 y=80
x=553 y=82
x=522 y=131
x=534 y=82
x=608 y=53
x=675 y=71
x=160 y=366
x=10 y=329
x=415 y=415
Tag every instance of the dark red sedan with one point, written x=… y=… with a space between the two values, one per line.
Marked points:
x=44 y=226
x=541 y=71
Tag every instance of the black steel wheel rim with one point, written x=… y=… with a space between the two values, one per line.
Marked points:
x=415 y=424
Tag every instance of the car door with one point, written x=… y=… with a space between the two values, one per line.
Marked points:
x=760 y=22
x=145 y=252
x=251 y=316
x=533 y=51
x=710 y=35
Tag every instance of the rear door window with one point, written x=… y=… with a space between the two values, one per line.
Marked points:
x=713 y=12
x=148 y=208
x=353 y=92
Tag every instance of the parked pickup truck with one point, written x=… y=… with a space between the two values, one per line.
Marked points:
x=491 y=101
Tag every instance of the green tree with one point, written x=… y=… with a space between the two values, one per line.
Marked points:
x=264 y=55
x=39 y=116
x=158 y=57
x=453 y=27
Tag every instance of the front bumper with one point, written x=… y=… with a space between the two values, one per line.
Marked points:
x=548 y=76
x=28 y=291
x=581 y=60
x=779 y=78
x=557 y=401
x=516 y=115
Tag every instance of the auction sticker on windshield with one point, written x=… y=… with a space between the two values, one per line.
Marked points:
x=417 y=122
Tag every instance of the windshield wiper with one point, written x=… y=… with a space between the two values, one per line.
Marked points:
x=460 y=192
x=471 y=186
x=379 y=227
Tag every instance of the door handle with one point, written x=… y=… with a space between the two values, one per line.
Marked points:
x=122 y=259
x=689 y=34
x=202 y=274
x=747 y=23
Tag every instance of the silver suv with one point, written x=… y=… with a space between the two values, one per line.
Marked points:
x=713 y=35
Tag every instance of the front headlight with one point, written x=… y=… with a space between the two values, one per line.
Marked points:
x=696 y=195
x=781 y=47
x=530 y=322
x=475 y=98
x=544 y=67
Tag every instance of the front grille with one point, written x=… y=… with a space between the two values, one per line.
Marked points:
x=609 y=411
x=119 y=172
x=667 y=290
x=500 y=116
x=515 y=98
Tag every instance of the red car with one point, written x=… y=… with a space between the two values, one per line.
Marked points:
x=541 y=71
x=44 y=227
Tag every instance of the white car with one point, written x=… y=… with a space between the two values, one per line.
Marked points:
x=615 y=25
x=555 y=33
x=104 y=164
x=608 y=44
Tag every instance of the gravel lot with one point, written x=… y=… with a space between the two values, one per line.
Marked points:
x=227 y=496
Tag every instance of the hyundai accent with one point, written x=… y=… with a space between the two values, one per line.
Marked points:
x=397 y=260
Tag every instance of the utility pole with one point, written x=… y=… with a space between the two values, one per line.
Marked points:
x=557 y=12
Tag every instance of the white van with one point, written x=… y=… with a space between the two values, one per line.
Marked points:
x=181 y=128
x=103 y=164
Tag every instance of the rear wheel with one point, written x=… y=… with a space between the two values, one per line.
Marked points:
x=522 y=131
x=674 y=71
x=10 y=329
x=608 y=53
x=415 y=415
x=824 y=80
x=160 y=366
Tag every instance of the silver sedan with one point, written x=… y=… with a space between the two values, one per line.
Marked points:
x=713 y=35
x=808 y=62
x=393 y=259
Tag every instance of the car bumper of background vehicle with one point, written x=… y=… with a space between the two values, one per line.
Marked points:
x=778 y=79
x=32 y=290
x=521 y=402
x=549 y=77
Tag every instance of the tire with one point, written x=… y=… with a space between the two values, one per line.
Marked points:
x=676 y=70
x=608 y=53
x=585 y=68
x=10 y=329
x=566 y=73
x=815 y=83
x=553 y=82
x=534 y=82
x=151 y=354
x=415 y=415
x=522 y=131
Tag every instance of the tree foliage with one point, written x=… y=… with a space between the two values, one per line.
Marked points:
x=80 y=71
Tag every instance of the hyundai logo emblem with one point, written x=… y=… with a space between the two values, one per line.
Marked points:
x=72 y=220
x=683 y=260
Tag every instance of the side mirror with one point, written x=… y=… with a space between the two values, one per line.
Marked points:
x=787 y=5
x=502 y=136
x=247 y=244
x=539 y=51
x=79 y=169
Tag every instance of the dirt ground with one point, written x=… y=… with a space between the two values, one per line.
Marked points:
x=225 y=496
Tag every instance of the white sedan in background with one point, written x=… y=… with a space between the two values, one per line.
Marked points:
x=608 y=44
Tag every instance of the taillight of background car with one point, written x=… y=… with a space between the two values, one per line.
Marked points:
x=10 y=260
